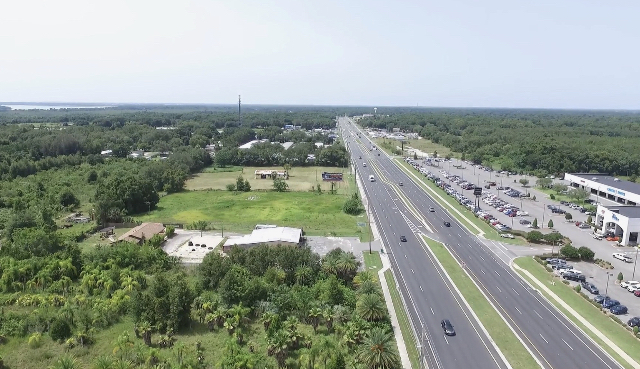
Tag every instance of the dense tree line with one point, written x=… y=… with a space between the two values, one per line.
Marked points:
x=71 y=297
x=541 y=142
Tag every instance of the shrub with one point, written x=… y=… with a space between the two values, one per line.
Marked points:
x=568 y=216
x=35 y=340
x=552 y=197
x=353 y=206
x=548 y=268
x=534 y=236
x=589 y=219
x=570 y=252
x=60 y=330
x=535 y=222
x=550 y=224
x=577 y=288
x=635 y=330
x=534 y=197
x=620 y=277
x=540 y=261
x=170 y=230
x=231 y=187
x=586 y=253
x=565 y=282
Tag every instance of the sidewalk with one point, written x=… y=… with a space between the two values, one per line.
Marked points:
x=402 y=349
x=582 y=320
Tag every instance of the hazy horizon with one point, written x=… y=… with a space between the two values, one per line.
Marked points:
x=498 y=54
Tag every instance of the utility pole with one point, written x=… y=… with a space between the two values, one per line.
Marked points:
x=634 y=264
x=369 y=217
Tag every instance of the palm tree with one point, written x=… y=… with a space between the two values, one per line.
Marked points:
x=326 y=347
x=129 y=284
x=239 y=312
x=328 y=315
x=268 y=318
x=364 y=276
x=371 y=308
x=231 y=324
x=314 y=318
x=368 y=288
x=347 y=266
x=219 y=316
x=66 y=268
x=278 y=347
x=308 y=357
x=378 y=351
x=211 y=321
x=304 y=275
x=146 y=330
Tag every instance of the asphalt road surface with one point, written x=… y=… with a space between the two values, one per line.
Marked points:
x=554 y=341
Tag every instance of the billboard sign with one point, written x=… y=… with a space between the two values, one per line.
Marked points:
x=326 y=176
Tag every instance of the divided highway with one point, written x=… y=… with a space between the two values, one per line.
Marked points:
x=554 y=341
x=430 y=296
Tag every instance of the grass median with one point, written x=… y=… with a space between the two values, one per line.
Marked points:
x=611 y=329
x=374 y=264
x=467 y=217
x=511 y=347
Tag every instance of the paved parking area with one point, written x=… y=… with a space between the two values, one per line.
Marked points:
x=598 y=277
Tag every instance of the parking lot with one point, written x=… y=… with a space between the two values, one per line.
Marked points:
x=543 y=209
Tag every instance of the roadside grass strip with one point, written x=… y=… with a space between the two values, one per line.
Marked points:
x=407 y=334
x=611 y=329
x=510 y=346
x=471 y=220
x=373 y=263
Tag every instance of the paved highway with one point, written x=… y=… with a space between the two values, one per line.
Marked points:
x=554 y=341
x=429 y=294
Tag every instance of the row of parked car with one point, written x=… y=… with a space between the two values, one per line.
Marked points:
x=570 y=274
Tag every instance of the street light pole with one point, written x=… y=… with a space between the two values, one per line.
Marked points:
x=606 y=291
x=370 y=231
x=634 y=264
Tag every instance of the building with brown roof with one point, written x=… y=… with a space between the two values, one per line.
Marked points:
x=142 y=232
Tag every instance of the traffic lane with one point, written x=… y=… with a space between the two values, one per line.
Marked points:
x=519 y=309
x=435 y=300
x=553 y=332
x=580 y=350
x=432 y=308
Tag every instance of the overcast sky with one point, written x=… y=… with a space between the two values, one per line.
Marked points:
x=463 y=53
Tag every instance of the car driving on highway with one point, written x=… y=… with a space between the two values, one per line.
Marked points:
x=447 y=327
x=431 y=209
x=403 y=239
x=447 y=224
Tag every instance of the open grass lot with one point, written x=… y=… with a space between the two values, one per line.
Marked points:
x=18 y=355
x=319 y=215
x=616 y=333
x=300 y=179
x=90 y=242
x=507 y=342
x=468 y=217
x=422 y=145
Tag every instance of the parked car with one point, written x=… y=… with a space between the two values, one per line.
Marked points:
x=600 y=299
x=626 y=284
x=590 y=287
x=623 y=257
x=608 y=303
x=506 y=235
x=634 y=322
x=618 y=309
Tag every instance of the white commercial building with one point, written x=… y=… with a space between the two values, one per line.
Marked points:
x=606 y=186
x=268 y=235
x=622 y=221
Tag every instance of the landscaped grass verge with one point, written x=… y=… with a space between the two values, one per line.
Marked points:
x=373 y=263
x=510 y=346
x=467 y=217
x=612 y=330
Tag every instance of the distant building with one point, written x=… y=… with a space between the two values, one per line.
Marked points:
x=287 y=145
x=288 y=127
x=266 y=174
x=319 y=144
x=106 y=152
x=266 y=236
x=250 y=144
x=142 y=232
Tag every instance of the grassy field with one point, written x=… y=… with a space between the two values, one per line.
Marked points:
x=468 y=218
x=300 y=178
x=505 y=339
x=91 y=242
x=614 y=331
x=319 y=215
x=422 y=145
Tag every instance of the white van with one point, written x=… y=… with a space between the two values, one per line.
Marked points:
x=371 y=179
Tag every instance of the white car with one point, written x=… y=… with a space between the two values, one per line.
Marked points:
x=633 y=288
x=626 y=284
x=623 y=257
x=522 y=213
x=506 y=235
x=565 y=271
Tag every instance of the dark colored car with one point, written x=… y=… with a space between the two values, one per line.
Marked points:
x=447 y=327
x=574 y=277
x=590 y=287
x=609 y=303
x=618 y=309
x=524 y=222
x=447 y=224
x=403 y=239
x=600 y=298
x=634 y=322
x=400 y=184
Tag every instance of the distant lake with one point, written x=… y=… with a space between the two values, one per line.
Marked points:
x=47 y=107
